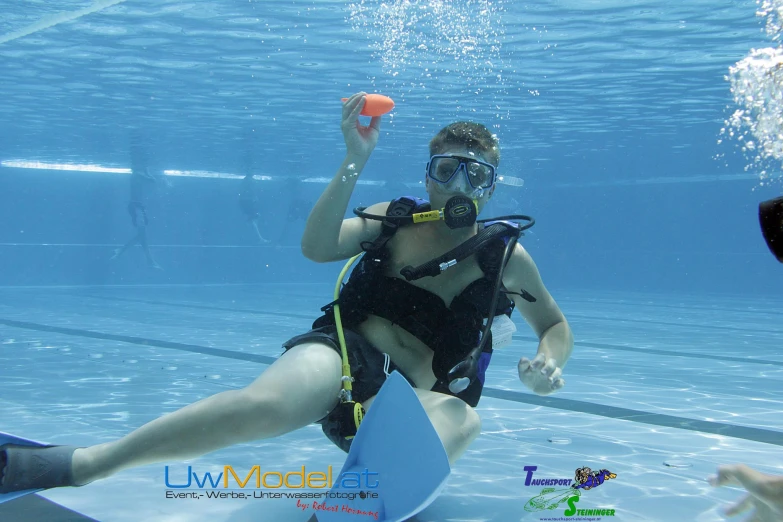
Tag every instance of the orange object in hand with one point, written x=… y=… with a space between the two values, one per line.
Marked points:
x=375 y=105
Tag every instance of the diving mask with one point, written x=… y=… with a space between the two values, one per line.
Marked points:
x=479 y=174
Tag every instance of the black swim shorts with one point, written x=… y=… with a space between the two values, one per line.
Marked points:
x=367 y=368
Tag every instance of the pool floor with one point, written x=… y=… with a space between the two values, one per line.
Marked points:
x=660 y=390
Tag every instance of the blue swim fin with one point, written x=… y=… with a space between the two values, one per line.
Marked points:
x=396 y=454
x=7 y=438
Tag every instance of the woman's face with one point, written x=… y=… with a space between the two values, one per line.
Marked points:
x=458 y=185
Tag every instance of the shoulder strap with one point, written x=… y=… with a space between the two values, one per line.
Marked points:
x=400 y=207
x=489 y=258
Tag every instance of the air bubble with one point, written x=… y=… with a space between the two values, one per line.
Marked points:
x=422 y=37
x=756 y=83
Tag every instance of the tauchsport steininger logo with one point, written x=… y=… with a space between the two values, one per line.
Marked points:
x=551 y=498
x=587 y=479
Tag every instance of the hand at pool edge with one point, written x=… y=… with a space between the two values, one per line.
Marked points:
x=765 y=492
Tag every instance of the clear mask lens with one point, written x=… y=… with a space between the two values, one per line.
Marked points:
x=478 y=174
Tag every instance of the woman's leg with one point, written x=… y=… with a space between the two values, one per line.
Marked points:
x=456 y=423
x=296 y=390
x=261 y=238
x=119 y=251
x=133 y=209
x=142 y=240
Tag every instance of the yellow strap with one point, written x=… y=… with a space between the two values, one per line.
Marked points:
x=339 y=324
x=432 y=215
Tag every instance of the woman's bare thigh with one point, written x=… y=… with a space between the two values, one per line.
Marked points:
x=456 y=422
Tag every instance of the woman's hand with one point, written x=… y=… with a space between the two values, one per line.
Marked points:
x=360 y=140
x=765 y=492
x=541 y=374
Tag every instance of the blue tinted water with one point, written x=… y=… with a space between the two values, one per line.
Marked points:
x=659 y=391
x=647 y=232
